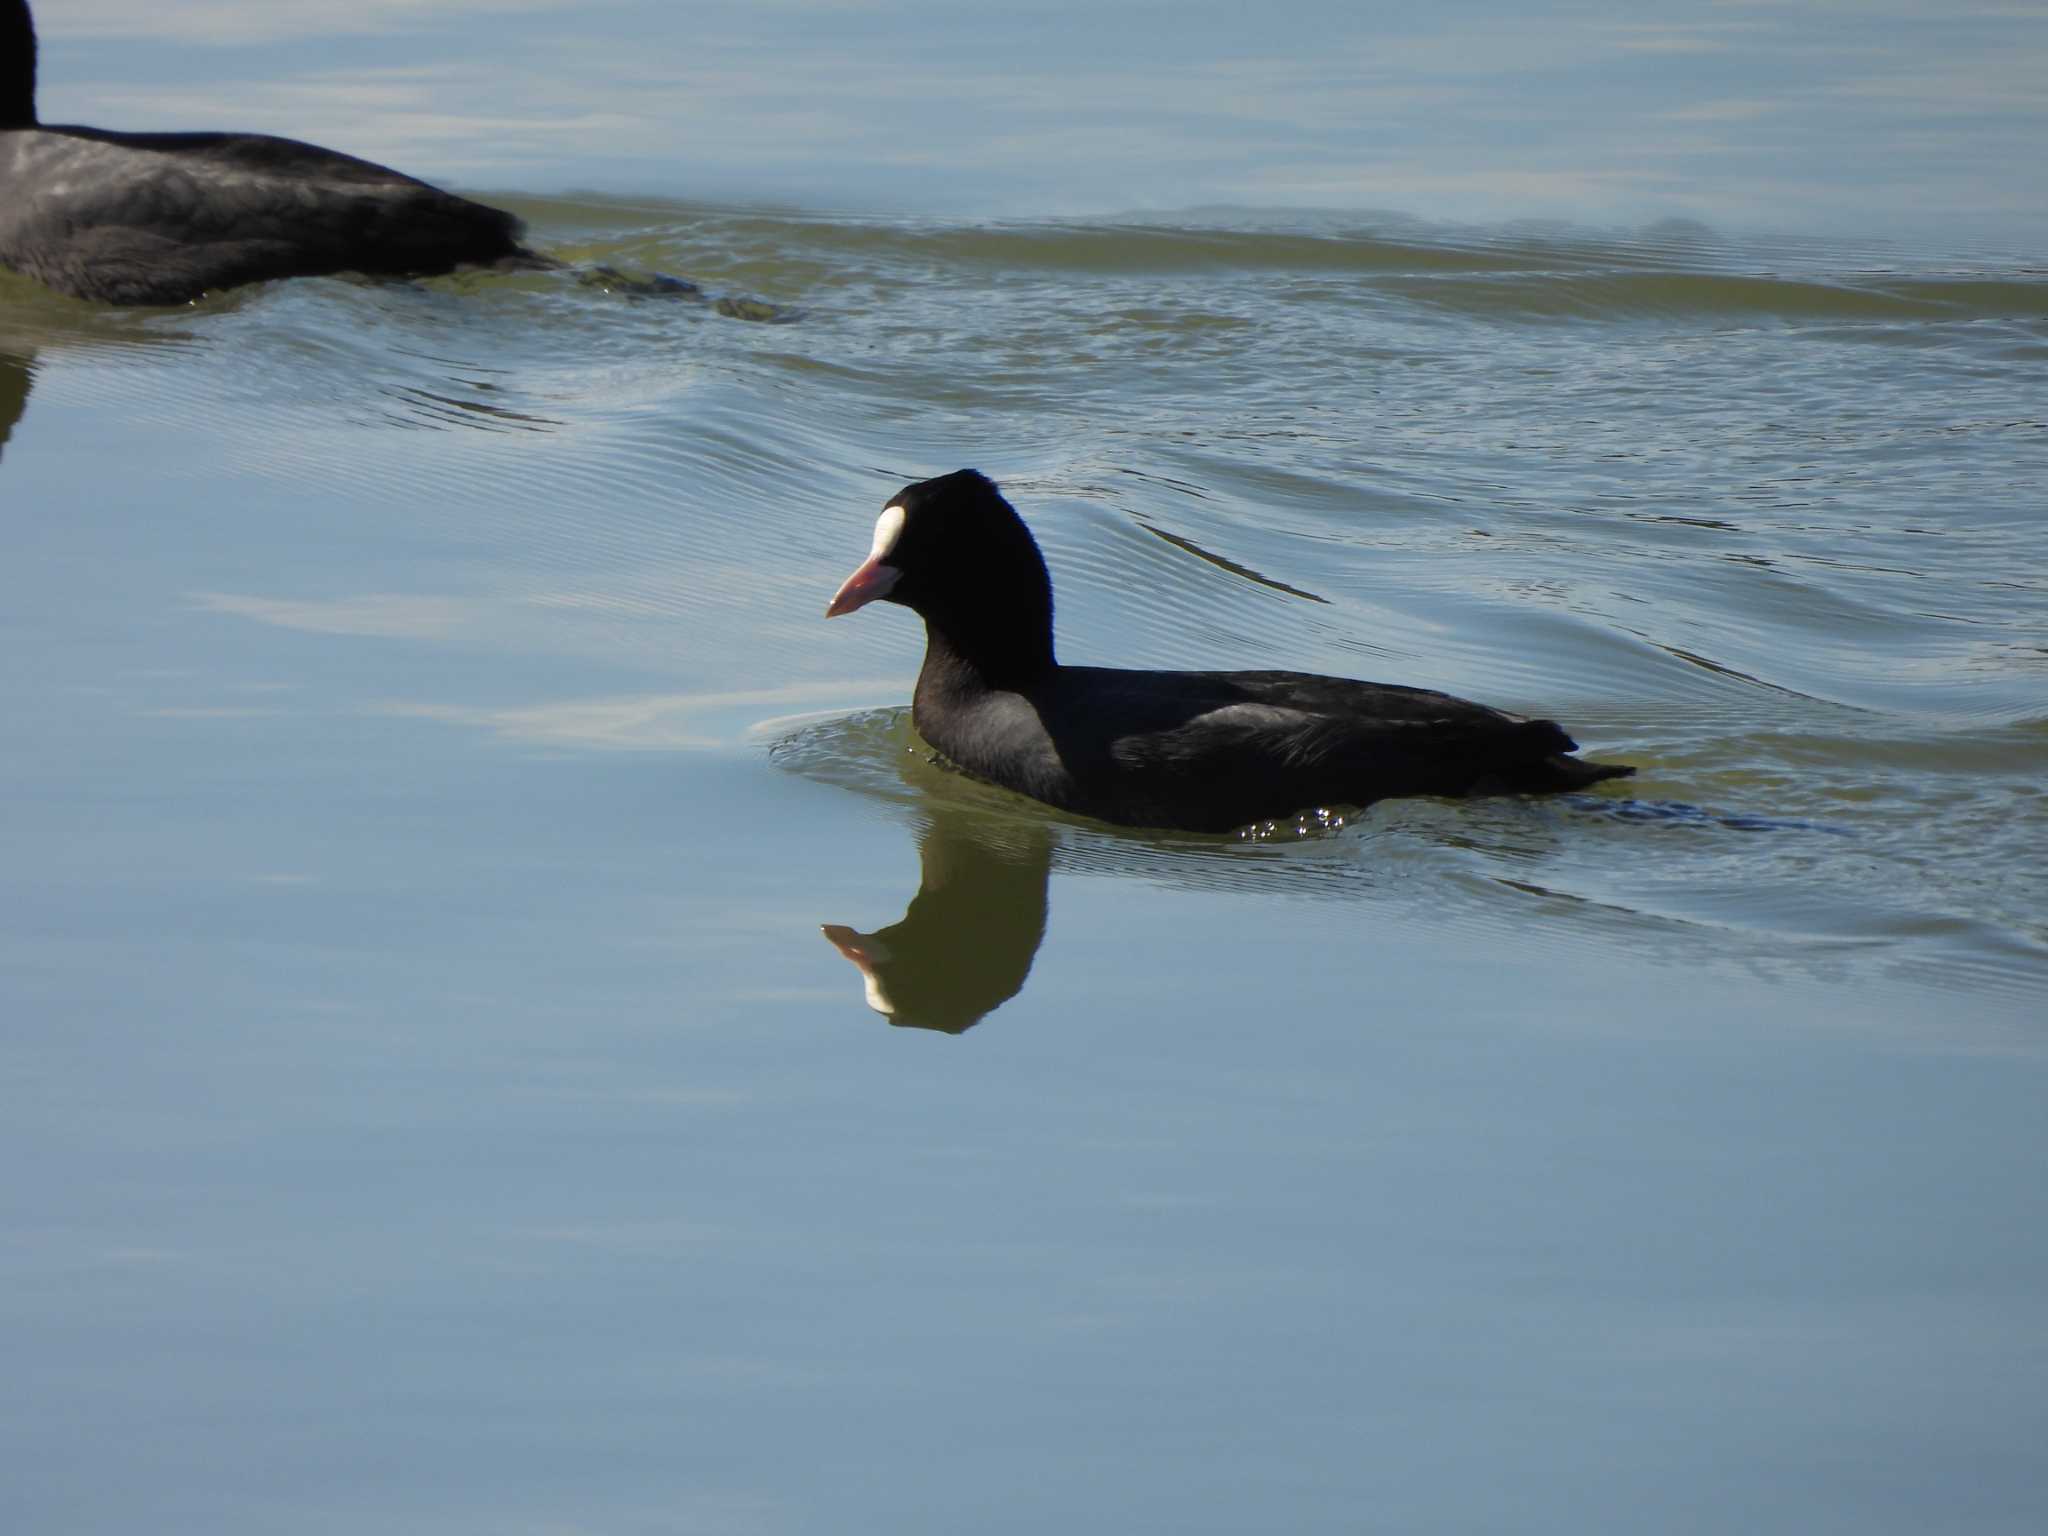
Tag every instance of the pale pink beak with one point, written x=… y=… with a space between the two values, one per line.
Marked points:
x=850 y=943
x=872 y=580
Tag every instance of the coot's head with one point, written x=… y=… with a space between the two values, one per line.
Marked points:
x=17 y=65
x=954 y=551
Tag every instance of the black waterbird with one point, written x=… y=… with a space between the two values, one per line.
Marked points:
x=161 y=218
x=1204 y=751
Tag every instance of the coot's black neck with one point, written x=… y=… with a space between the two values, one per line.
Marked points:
x=999 y=640
x=953 y=669
x=17 y=65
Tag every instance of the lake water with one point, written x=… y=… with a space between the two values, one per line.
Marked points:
x=433 y=1105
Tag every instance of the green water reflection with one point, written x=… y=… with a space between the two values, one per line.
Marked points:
x=15 y=382
x=965 y=946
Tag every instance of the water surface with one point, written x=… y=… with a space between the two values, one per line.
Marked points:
x=433 y=1103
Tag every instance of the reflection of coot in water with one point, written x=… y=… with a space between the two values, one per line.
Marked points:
x=160 y=218
x=967 y=942
x=1204 y=751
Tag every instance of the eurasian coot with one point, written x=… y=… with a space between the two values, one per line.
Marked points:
x=160 y=218
x=1205 y=751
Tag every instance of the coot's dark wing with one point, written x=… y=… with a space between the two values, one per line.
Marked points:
x=1211 y=751
x=163 y=218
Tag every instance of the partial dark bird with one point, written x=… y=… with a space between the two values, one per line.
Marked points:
x=16 y=375
x=1204 y=751
x=161 y=218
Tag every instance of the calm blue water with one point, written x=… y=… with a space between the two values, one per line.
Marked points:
x=1906 y=120
x=433 y=1106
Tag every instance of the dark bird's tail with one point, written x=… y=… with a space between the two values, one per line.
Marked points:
x=1549 y=767
x=1578 y=773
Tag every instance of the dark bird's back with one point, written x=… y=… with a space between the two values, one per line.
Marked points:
x=162 y=218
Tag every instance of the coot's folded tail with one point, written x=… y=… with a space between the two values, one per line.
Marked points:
x=1544 y=764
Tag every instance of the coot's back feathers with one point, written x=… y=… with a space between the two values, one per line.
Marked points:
x=1207 y=751
x=160 y=218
